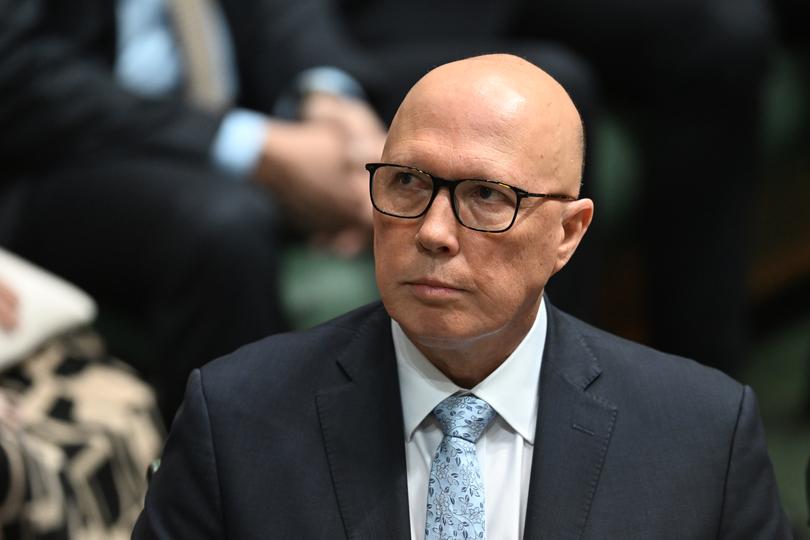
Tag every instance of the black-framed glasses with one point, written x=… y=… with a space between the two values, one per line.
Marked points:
x=481 y=205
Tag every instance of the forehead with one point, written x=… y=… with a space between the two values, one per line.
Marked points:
x=454 y=147
x=489 y=131
x=454 y=157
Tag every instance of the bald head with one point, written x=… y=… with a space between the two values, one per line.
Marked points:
x=466 y=297
x=500 y=100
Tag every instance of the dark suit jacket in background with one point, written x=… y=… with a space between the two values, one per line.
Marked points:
x=60 y=99
x=301 y=436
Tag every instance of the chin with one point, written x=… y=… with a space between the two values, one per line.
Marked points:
x=442 y=333
x=445 y=343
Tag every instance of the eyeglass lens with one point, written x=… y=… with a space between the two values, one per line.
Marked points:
x=480 y=204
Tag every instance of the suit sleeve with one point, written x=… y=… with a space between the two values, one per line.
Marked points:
x=58 y=100
x=751 y=506
x=183 y=500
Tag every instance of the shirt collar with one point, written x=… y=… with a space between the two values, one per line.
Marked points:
x=512 y=389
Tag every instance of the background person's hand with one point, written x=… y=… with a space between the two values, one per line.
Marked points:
x=363 y=129
x=8 y=308
x=365 y=134
x=307 y=165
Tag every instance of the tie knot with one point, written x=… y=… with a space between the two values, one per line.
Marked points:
x=464 y=416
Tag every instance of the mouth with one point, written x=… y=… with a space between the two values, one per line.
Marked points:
x=433 y=289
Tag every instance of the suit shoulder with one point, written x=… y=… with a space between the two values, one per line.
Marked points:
x=308 y=354
x=637 y=368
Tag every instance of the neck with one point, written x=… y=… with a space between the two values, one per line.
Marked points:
x=468 y=361
x=465 y=366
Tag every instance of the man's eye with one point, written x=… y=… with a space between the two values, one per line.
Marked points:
x=405 y=179
x=488 y=195
x=410 y=181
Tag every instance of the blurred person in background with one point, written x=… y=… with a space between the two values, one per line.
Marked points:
x=139 y=159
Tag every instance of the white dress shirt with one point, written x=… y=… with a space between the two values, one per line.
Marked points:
x=505 y=448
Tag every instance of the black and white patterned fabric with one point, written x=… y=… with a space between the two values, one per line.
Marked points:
x=77 y=432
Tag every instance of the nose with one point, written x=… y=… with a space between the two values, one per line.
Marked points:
x=438 y=231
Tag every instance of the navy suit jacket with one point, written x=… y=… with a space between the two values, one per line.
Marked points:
x=300 y=436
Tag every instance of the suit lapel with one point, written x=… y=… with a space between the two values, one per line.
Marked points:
x=362 y=427
x=573 y=433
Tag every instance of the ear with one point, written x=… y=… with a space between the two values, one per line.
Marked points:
x=576 y=216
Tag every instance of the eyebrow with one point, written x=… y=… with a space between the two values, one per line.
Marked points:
x=488 y=178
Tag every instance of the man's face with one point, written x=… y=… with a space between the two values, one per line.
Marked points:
x=449 y=286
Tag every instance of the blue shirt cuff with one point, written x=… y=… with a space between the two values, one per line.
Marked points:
x=325 y=79
x=329 y=79
x=238 y=144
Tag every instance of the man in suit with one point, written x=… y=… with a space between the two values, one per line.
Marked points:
x=541 y=425
x=150 y=191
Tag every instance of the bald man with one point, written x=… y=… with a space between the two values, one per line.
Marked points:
x=466 y=405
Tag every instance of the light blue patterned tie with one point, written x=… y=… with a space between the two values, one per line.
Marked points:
x=455 y=501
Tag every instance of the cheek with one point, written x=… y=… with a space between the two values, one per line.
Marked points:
x=500 y=283
x=510 y=278
x=390 y=250
x=382 y=260
x=540 y=251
